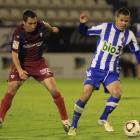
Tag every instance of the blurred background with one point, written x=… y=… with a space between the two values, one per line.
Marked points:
x=68 y=47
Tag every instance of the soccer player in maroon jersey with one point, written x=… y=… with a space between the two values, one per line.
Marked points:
x=27 y=53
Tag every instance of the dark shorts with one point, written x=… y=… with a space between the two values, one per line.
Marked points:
x=97 y=76
x=39 y=70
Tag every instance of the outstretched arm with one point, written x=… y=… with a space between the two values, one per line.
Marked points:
x=82 y=27
x=90 y=29
x=52 y=29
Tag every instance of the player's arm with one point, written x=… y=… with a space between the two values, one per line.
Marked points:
x=88 y=30
x=82 y=27
x=22 y=73
x=52 y=29
x=14 y=49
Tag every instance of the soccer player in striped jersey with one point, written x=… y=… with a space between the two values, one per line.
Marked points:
x=27 y=53
x=105 y=69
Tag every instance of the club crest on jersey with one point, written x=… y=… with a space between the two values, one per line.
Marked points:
x=12 y=76
x=112 y=49
x=123 y=39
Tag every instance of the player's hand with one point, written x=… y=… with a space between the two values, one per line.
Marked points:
x=55 y=30
x=83 y=18
x=23 y=75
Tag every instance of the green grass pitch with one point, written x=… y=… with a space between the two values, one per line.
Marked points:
x=33 y=114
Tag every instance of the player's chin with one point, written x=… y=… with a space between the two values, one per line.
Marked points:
x=123 y=28
x=32 y=30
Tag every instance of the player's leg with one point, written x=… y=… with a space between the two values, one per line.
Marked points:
x=43 y=74
x=50 y=84
x=92 y=81
x=79 y=107
x=14 y=82
x=7 y=100
x=116 y=90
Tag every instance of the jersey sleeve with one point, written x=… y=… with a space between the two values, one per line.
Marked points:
x=15 y=42
x=90 y=30
x=134 y=46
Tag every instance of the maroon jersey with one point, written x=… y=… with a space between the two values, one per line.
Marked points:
x=29 y=45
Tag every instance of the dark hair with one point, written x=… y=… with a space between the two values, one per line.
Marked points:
x=123 y=11
x=27 y=14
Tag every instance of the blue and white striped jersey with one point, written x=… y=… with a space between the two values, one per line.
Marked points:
x=110 y=45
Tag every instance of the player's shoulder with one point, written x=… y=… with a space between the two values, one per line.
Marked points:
x=95 y=27
x=130 y=33
x=20 y=27
x=19 y=30
x=105 y=24
x=127 y=30
x=40 y=23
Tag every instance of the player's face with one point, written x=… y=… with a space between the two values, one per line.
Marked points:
x=122 y=21
x=30 y=24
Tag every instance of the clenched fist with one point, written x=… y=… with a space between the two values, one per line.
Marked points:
x=83 y=18
x=55 y=29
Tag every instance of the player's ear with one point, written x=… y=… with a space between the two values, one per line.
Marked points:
x=23 y=22
x=116 y=18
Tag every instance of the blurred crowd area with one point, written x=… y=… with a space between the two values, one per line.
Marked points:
x=66 y=12
x=65 y=15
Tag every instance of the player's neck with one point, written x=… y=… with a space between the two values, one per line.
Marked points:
x=117 y=27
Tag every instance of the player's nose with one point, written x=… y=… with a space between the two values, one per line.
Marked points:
x=33 y=26
x=124 y=23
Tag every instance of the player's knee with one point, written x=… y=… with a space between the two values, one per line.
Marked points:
x=13 y=87
x=12 y=90
x=84 y=97
x=117 y=93
x=53 y=91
